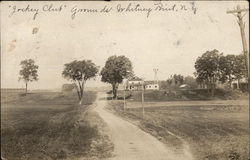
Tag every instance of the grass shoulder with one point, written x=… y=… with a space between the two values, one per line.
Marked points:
x=52 y=126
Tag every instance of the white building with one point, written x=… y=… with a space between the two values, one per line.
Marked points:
x=240 y=84
x=151 y=85
x=134 y=83
x=184 y=86
x=137 y=84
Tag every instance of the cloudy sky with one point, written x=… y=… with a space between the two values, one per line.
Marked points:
x=169 y=41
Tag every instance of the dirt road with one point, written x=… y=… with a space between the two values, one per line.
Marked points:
x=131 y=143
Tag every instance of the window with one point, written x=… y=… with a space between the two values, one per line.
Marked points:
x=155 y=86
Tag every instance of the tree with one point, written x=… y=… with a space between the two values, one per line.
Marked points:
x=201 y=80
x=191 y=81
x=169 y=81
x=115 y=70
x=232 y=67
x=28 y=73
x=227 y=65
x=79 y=72
x=178 y=79
x=207 y=68
x=163 y=84
x=239 y=70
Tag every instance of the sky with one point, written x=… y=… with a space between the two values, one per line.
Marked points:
x=168 y=41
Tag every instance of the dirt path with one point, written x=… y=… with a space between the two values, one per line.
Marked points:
x=131 y=143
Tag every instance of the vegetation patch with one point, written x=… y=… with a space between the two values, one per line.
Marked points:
x=212 y=132
x=45 y=126
x=183 y=95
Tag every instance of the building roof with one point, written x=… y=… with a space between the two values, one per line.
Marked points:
x=145 y=82
x=150 y=83
x=135 y=79
x=184 y=85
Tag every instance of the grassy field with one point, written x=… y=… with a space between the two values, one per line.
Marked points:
x=51 y=126
x=211 y=132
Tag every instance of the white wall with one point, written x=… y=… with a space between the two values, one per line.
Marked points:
x=152 y=87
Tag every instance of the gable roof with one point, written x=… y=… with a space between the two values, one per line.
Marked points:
x=135 y=79
x=150 y=82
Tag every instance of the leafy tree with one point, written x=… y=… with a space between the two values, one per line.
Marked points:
x=178 y=79
x=28 y=73
x=175 y=79
x=239 y=70
x=232 y=67
x=115 y=70
x=169 y=81
x=79 y=72
x=207 y=68
x=200 y=80
x=163 y=84
x=191 y=81
x=227 y=65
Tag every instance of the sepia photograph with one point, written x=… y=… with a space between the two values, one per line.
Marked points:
x=125 y=80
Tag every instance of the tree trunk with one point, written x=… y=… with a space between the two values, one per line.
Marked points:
x=82 y=92
x=208 y=86
x=26 y=88
x=238 y=85
x=230 y=82
x=79 y=89
x=114 y=90
x=212 y=86
x=212 y=89
x=80 y=101
x=81 y=86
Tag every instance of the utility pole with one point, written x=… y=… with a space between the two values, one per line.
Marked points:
x=237 y=12
x=124 y=96
x=155 y=71
x=142 y=100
